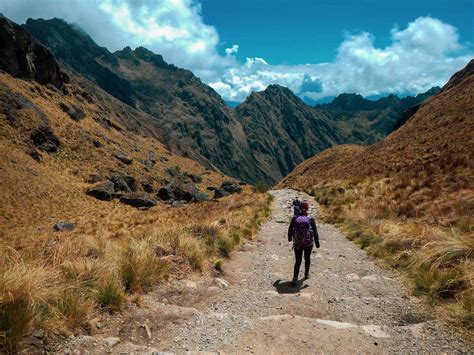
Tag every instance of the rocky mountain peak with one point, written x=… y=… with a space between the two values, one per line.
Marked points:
x=349 y=101
x=24 y=57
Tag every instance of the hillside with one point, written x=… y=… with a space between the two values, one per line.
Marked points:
x=259 y=141
x=408 y=199
x=94 y=208
x=433 y=150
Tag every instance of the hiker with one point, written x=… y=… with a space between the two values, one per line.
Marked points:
x=296 y=207
x=302 y=231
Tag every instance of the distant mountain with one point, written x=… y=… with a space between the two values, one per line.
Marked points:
x=263 y=139
x=195 y=121
x=283 y=130
x=368 y=121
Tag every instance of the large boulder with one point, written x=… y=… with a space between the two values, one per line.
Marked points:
x=103 y=191
x=120 y=185
x=165 y=193
x=131 y=182
x=138 y=199
x=219 y=193
x=231 y=187
x=186 y=192
x=201 y=197
x=148 y=187
x=43 y=138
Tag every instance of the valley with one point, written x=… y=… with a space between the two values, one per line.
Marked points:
x=141 y=213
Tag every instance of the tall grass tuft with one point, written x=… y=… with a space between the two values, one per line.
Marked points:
x=110 y=293
x=140 y=267
x=74 y=306
x=23 y=288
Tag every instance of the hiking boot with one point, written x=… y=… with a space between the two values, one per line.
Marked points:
x=306 y=276
x=294 y=281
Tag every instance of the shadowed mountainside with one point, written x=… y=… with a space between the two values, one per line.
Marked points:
x=262 y=140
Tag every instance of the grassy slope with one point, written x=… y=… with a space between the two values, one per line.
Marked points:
x=58 y=280
x=409 y=199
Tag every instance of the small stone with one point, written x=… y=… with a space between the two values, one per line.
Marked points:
x=111 y=341
x=147 y=330
x=221 y=283
x=64 y=226
x=39 y=333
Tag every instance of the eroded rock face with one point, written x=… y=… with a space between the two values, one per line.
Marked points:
x=24 y=57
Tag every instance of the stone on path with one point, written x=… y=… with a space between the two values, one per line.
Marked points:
x=111 y=341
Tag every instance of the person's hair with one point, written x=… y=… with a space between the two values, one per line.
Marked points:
x=304 y=206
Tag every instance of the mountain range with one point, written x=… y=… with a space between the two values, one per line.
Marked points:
x=262 y=139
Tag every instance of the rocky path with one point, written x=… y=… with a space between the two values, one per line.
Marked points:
x=348 y=305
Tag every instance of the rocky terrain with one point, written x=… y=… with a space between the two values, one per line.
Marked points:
x=262 y=140
x=62 y=146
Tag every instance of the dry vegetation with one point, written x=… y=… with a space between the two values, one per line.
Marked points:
x=437 y=259
x=409 y=200
x=60 y=285
x=57 y=281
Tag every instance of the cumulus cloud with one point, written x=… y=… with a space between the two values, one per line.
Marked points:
x=173 y=28
x=232 y=50
x=423 y=54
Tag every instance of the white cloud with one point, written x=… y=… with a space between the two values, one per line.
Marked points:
x=425 y=53
x=173 y=28
x=232 y=50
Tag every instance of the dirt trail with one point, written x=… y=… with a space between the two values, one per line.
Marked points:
x=348 y=305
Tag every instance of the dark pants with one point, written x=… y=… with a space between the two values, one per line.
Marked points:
x=299 y=251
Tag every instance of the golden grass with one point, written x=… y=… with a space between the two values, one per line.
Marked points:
x=75 y=277
x=60 y=280
x=437 y=259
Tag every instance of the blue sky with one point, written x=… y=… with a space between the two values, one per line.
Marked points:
x=317 y=48
x=310 y=31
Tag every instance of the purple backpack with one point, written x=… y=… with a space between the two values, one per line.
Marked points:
x=303 y=233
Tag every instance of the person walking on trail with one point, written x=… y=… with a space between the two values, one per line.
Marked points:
x=296 y=207
x=302 y=231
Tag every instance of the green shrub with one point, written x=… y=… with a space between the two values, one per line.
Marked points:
x=110 y=293
x=74 y=306
x=261 y=187
x=140 y=267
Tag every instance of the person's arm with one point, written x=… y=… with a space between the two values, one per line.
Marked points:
x=290 y=229
x=315 y=231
